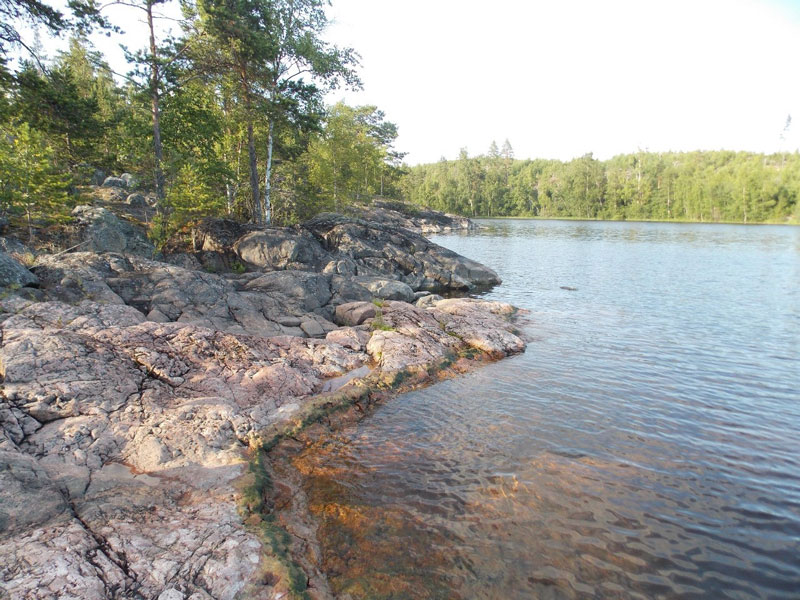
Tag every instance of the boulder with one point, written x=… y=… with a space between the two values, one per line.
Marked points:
x=184 y=260
x=79 y=276
x=341 y=265
x=218 y=235
x=117 y=182
x=346 y=289
x=259 y=304
x=308 y=291
x=281 y=248
x=17 y=250
x=13 y=274
x=103 y=231
x=355 y=313
x=111 y=194
x=428 y=300
x=213 y=262
x=136 y=200
x=387 y=289
x=312 y=329
x=349 y=337
x=413 y=217
x=348 y=246
x=98 y=177
x=130 y=181
x=398 y=253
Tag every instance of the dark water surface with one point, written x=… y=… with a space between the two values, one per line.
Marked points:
x=647 y=444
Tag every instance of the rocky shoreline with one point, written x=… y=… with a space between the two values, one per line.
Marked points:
x=141 y=391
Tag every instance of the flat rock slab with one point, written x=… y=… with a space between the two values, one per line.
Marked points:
x=121 y=439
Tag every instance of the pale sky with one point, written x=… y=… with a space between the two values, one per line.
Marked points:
x=565 y=77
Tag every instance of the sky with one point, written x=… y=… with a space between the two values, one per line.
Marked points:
x=562 y=78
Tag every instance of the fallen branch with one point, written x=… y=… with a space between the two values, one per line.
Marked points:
x=72 y=248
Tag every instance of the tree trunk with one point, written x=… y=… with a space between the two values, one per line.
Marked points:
x=267 y=178
x=230 y=196
x=251 y=147
x=335 y=201
x=158 y=154
x=744 y=202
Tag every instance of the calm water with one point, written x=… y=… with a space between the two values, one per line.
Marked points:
x=647 y=444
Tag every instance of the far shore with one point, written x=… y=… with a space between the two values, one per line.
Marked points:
x=676 y=221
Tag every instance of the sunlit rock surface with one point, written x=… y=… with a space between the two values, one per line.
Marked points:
x=133 y=389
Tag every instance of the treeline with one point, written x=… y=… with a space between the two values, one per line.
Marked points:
x=681 y=186
x=226 y=118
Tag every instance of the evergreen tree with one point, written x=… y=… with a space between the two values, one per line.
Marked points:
x=31 y=184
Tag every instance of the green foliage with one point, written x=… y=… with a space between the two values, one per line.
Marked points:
x=688 y=186
x=280 y=542
x=53 y=104
x=253 y=496
x=31 y=183
x=240 y=104
x=269 y=61
x=352 y=160
x=192 y=195
x=378 y=324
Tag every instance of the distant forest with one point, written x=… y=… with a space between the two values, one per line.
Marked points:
x=674 y=186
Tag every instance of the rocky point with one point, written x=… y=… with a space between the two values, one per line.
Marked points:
x=138 y=390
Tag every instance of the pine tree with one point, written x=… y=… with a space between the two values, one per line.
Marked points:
x=31 y=184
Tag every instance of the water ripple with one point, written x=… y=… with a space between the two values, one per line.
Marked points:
x=645 y=446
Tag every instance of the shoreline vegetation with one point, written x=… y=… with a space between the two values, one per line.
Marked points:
x=294 y=157
x=598 y=220
x=692 y=187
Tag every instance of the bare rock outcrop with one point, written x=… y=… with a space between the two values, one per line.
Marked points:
x=136 y=393
x=251 y=303
x=103 y=231
x=389 y=247
x=415 y=218
x=380 y=249
x=122 y=439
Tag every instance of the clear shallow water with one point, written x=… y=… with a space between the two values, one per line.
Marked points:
x=647 y=444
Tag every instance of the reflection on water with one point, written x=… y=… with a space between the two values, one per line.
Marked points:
x=646 y=445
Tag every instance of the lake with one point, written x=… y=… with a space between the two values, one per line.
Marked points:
x=646 y=445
